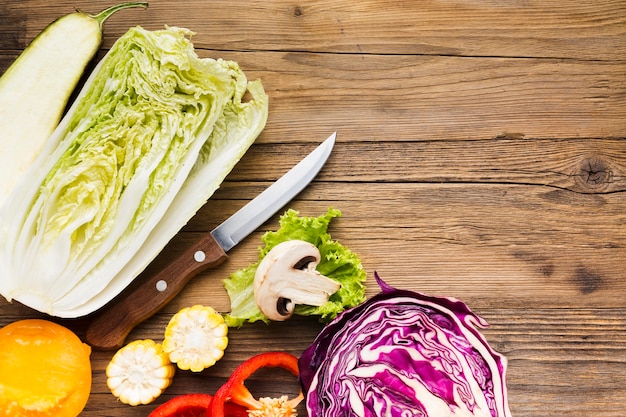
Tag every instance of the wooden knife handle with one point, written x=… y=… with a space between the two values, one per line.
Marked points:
x=148 y=294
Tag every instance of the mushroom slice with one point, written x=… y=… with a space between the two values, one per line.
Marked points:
x=287 y=276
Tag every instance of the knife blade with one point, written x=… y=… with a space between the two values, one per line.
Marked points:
x=152 y=291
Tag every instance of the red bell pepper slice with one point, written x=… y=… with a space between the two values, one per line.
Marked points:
x=194 y=405
x=235 y=391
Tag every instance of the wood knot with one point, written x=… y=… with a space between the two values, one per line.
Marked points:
x=297 y=11
x=587 y=281
x=594 y=173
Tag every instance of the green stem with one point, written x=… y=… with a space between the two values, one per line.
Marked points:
x=106 y=13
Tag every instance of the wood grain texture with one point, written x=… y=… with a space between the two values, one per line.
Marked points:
x=509 y=28
x=481 y=154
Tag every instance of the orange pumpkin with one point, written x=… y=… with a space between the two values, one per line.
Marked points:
x=45 y=370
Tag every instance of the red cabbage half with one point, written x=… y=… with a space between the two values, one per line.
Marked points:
x=401 y=354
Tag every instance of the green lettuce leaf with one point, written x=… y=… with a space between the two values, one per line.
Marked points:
x=148 y=140
x=337 y=262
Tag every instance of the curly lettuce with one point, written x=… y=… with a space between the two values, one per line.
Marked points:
x=337 y=263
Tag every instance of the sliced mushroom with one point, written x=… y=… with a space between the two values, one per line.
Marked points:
x=287 y=276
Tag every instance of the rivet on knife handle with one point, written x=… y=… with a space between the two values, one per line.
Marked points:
x=110 y=327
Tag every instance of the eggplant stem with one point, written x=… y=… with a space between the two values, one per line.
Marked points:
x=106 y=13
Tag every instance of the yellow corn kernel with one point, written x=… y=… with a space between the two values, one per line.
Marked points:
x=196 y=338
x=139 y=372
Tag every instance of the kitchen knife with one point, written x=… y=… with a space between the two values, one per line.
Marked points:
x=149 y=293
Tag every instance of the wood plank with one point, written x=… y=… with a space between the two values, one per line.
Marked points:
x=587 y=166
x=553 y=356
x=400 y=98
x=378 y=98
x=484 y=243
x=535 y=28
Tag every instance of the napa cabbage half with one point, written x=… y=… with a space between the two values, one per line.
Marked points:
x=148 y=140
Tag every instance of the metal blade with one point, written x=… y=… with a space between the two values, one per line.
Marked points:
x=266 y=204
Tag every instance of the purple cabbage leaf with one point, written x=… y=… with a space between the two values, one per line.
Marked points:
x=402 y=353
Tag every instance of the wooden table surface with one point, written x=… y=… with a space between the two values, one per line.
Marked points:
x=481 y=154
